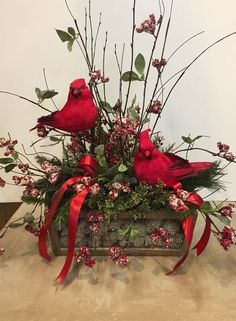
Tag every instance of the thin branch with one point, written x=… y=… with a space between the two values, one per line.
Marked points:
x=91 y=35
x=24 y=98
x=96 y=37
x=132 y=57
x=182 y=44
x=204 y=150
x=103 y=67
x=45 y=79
x=189 y=65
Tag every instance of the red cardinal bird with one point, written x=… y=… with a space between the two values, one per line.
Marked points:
x=151 y=165
x=78 y=114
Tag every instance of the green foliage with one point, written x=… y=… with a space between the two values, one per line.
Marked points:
x=107 y=107
x=140 y=64
x=188 y=140
x=208 y=179
x=45 y=94
x=70 y=36
x=130 y=76
x=10 y=167
x=122 y=168
x=6 y=160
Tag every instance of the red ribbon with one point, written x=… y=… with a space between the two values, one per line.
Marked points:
x=188 y=228
x=202 y=243
x=75 y=207
x=42 y=243
x=89 y=166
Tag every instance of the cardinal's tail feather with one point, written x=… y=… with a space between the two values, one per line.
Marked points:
x=48 y=118
x=178 y=162
x=194 y=170
x=45 y=120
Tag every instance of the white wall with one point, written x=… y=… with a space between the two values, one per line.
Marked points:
x=204 y=103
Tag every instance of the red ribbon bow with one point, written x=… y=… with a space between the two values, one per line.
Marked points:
x=89 y=165
x=188 y=228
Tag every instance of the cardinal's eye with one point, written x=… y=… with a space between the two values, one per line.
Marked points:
x=76 y=92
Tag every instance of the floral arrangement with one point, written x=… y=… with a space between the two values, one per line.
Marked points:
x=113 y=159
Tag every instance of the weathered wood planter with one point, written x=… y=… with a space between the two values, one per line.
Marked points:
x=139 y=245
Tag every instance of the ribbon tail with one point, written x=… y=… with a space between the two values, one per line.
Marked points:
x=188 y=228
x=195 y=199
x=42 y=244
x=202 y=243
x=74 y=212
x=42 y=241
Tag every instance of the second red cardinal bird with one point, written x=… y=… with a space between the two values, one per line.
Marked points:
x=151 y=165
x=78 y=114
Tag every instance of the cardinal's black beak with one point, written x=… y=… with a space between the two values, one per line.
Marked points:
x=76 y=92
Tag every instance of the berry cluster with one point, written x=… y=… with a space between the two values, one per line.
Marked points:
x=227 y=237
x=161 y=234
x=31 y=190
x=96 y=75
x=227 y=211
x=52 y=171
x=23 y=167
x=155 y=107
x=9 y=144
x=177 y=203
x=122 y=139
x=95 y=222
x=31 y=229
x=224 y=152
x=148 y=25
x=22 y=180
x=117 y=255
x=83 y=254
x=159 y=63
x=74 y=146
x=118 y=187
x=42 y=131
x=86 y=182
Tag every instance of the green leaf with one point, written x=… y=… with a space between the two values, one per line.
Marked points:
x=119 y=178
x=130 y=76
x=7 y=160
x=122 y=168
x=38 y=93
x=206 y=206
x=47 y=94
x=70 y=44
x=198 y=137
x=15 y=225
x=146 y=120
x=140 y=64
x=99 y=150
x=55 y=139
x=133 y=114
x=9 y=168
x=123 y=232
x=187 y=140
x=106 y=106
x=134 y=232
x=223 y=219
x=63 y=35
x=71 y=31
x=28 y=218
x=15 y=155
x=102 y=160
